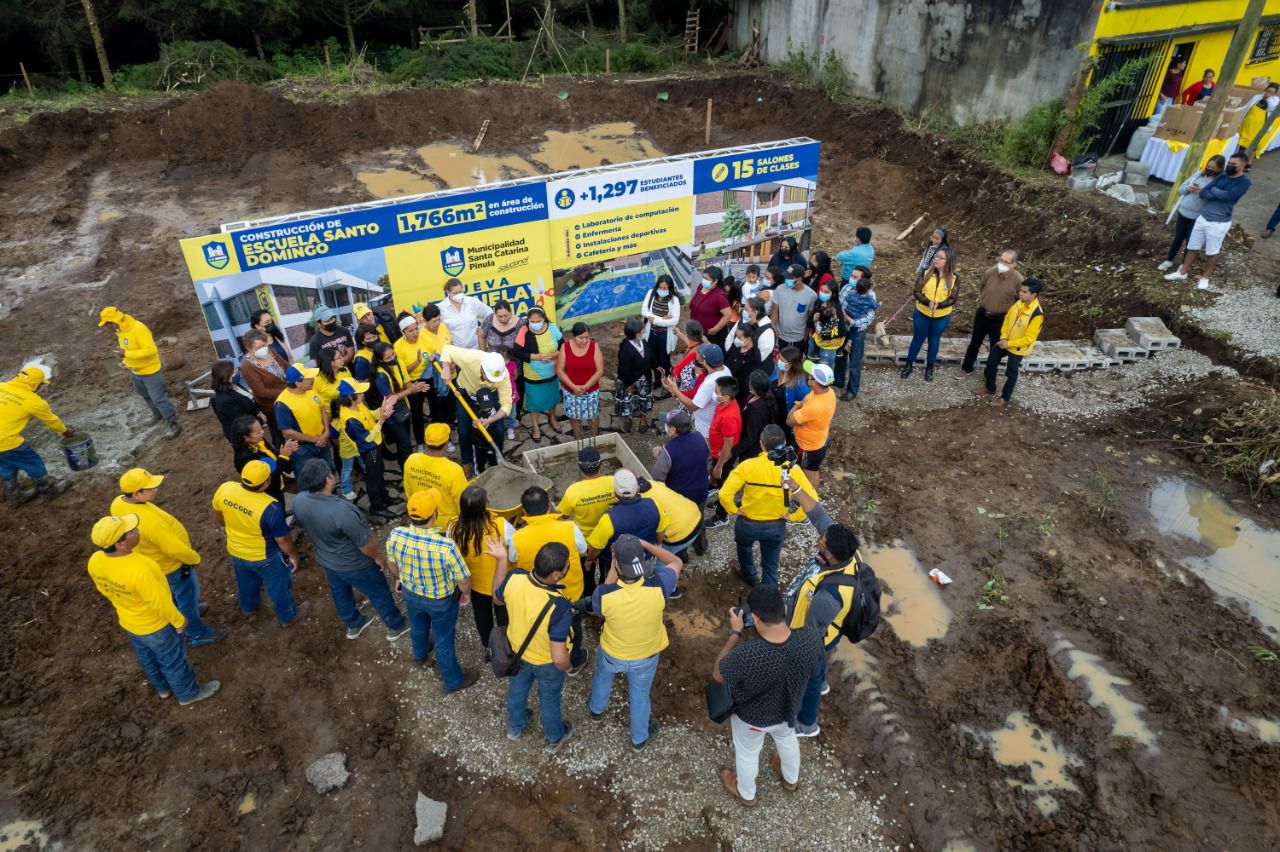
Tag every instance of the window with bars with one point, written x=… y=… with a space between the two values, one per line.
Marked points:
x=1266 y=46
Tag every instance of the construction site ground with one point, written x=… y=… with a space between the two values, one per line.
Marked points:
x=1078 y=686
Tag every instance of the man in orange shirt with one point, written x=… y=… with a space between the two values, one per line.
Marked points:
x=810 y=419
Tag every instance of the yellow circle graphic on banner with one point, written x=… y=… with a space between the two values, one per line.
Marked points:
x=719 y=172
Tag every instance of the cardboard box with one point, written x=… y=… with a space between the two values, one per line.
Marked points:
x=1245 y=93
x=1179 y=122
x=1260 y=82
x=1230 y=122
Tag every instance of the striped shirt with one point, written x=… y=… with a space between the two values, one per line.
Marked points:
x=429 y=562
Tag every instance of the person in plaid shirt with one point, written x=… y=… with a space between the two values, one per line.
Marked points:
x=435 y=583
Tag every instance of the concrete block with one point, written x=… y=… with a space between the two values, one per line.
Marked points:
x=1082 y=183
x=431 y=820
x=1151 y=334
x=329 y=772
x=1118 y=345
x=1096 y=357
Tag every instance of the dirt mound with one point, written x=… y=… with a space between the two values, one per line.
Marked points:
x=230 y=120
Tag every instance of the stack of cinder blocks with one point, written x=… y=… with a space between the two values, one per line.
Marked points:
x=1140 y=338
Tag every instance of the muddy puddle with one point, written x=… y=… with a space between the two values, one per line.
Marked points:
x=1241 y=558
x=1022 y=742
x=1267 y=730
x=910 y=602
x=24 y=834
x=445 y=166
x=1104 y=693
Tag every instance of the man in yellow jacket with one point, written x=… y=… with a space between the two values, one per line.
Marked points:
x=1017 y=338
x=20 y=400
x=139 y=355
x=136 y=587
x=166 y=542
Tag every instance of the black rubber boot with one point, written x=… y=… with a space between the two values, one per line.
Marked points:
x=15 y=493
x=47 y=486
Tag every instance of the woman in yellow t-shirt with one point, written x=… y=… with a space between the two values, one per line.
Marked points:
x=935 y=299
x=333 y=369
x=484 y=539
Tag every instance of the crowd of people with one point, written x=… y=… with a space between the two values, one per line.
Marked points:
x=397 y=416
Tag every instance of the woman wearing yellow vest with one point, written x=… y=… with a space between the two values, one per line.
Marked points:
x=935 y=299
x=393 y=385
x=360 y=435
x=476 y=531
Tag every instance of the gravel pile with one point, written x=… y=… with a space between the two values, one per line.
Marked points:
x=1251 y=316
x=672 y=786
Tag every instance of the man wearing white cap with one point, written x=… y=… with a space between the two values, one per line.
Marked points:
x=810 y=419
x=20 y=400
x=462 y=314
x=136 y=587
x=329 y=335
x=165 y=541
x=471 y=371
x=139 y=355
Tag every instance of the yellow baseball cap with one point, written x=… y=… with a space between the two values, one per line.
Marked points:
x=256 y=472
x=107 y=531
x=437 y=434
x=138 y=479
x=360 y=309
x=110 y=314
x=422 y=505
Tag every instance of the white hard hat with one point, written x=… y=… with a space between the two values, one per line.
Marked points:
x=494 y=366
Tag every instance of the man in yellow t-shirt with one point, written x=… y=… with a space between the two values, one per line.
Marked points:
x=414 y=361
x=631 y=602
x=136 y=587
x=20 y=400
x=140 y=356
x=258 y=541
x=165 y=541
x=433 y=469
x=585 y=502
x=684 y=518
x=811 y=417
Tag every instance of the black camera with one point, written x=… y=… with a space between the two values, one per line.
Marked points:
x=784 y=455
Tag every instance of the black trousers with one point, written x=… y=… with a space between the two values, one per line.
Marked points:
x=985 y=325
x=1181 y=233
x=440 y=407
x=1010 y=373
x=487 y=614
x=397 y=431
x=374 y=482
x=417 y=402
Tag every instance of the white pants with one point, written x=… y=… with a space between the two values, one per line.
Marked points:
x=1208 y=236
x=747 y=742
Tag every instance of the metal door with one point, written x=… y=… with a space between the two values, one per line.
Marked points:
x=1129 y=107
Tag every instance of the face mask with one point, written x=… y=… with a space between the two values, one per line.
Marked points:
x=1232 y=168
x=790 y=282
x=1003 y=267
x=456 y=298
x=706 y=285
x=329 y=325
x=739 y=342
x=536 y=326
x=663 y=291
x=390 y=362
x=824 y=297
x=261 y=352
x=271 y=328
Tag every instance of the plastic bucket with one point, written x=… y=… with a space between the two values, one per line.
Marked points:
x=80 y=454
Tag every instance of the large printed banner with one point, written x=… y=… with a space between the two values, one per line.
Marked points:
x=586 y=245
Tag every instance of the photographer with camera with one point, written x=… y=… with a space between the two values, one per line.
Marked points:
x=766 y=678
x=765 y=504
x=631 y=602
x=837 y=593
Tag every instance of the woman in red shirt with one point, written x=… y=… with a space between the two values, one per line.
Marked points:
x=580 y=367
x=710 y=306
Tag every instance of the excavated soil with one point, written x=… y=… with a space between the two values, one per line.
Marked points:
x=1058 y=510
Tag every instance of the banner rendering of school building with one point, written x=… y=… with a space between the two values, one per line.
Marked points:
x=586 y=245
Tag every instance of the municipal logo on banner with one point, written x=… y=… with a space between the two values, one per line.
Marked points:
x=215 y=254
x=453 y=260
x=564 y=199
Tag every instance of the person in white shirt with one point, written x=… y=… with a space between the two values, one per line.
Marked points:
x=661 y=312
x=755 y=311
x=703 y=403
x=462 y=315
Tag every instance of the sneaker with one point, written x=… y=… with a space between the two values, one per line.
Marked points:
x=1202 y=284
x=729 y=779
x=574 y=670
x=653 y=729
x=350 y=495
x=803 y=730
x=1176 y=275
x=207 y=689
x=676 y=594
x=595 y=717
x=393 y=635
x=846 y=397
x=303 y=609
x=511 y=435
x=1165 y=267
x=174 y=430
x=716 y=522
x=554 y=747
x=384 y=514
x=354 y=632
x=468 y=679
x=451 y=448
x=826 y=687
x=214 y=636
x=203 y=608
x=165 y=694
x=776 y=760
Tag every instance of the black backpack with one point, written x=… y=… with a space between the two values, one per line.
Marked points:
x=864 y=615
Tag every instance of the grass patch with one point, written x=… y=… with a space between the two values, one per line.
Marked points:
x=995 y=589
x=1266 y=655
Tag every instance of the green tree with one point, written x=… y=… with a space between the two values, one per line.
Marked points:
x=274 y=18
x=735 y=222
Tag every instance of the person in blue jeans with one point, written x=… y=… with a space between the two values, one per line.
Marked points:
x=346 y=550
x=539 y=623
x=935 y=301
x=631 y=602
x=435 y=582
x=859 y=303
